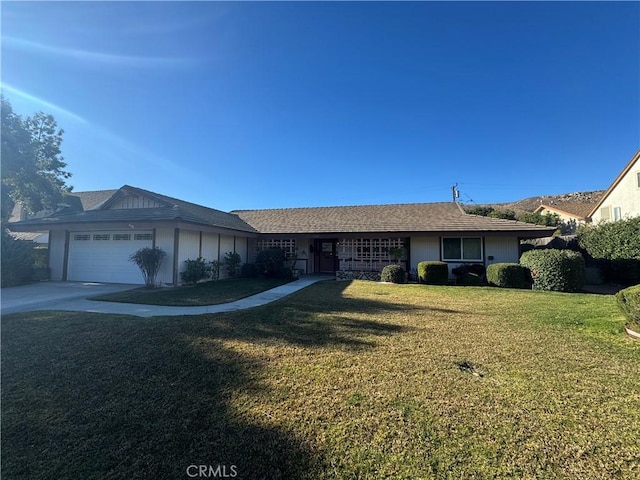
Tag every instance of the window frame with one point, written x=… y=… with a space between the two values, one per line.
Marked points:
x=462 y=259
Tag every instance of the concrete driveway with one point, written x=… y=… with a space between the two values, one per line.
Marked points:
x=73 y=297
x=53 y=295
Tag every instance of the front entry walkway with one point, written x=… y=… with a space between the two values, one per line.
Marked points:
x=81 y=304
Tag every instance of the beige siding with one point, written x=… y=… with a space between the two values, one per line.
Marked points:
x=502 y=249
x=424 y=249
x=56 y=253
x=164 y=241
x=625 y=197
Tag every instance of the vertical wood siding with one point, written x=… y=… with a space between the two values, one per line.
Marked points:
x=502 y=249
x=424 y=249
x=189 y=248
x=56 y=253
x=164 y=241
x=133 y=201
x=209 y=246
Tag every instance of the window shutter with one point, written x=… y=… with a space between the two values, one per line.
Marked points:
x=605 y=213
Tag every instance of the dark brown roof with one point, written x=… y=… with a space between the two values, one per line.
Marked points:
x=411 y=217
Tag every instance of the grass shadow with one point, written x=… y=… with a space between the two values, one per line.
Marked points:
x=89 y=395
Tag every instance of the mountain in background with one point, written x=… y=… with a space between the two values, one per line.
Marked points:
x=531 y=203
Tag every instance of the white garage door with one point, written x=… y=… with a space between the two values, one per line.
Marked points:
x=104 y=256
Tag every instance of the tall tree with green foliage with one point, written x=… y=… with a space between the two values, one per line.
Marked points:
x=33 y=169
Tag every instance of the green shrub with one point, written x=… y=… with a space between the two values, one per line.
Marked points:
x=556 y=270
x=214 y=269
x=195 y=271
x=393 y=274
x=270 y=263
x=18 y=258
x=148 y=261
x=629 y=303
x=249 y=270
x=617 y=246
x=232 y=261
x=469 y=279
x=433 y=273
x=509 y=275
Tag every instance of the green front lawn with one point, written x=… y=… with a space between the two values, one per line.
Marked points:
x=208 y=293
x=340 y=380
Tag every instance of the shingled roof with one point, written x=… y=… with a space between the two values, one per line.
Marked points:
x=170 y=209
x=578 y=210
x=406 y=218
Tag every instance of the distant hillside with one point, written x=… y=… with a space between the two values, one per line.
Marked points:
x=531 y=203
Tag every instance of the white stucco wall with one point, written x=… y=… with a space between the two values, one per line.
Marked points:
x=626 y=196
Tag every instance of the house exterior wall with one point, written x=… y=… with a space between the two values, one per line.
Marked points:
x=502 y=249
x=424 y=249
x=189 y=248
x=209 y=246
x=56 y=253
x=625 y=196
x=165 y=240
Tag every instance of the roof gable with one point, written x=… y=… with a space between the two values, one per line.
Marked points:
x=615 y=183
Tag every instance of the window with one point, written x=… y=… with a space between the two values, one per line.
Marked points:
x=122 y=236
x=638 y=179
x=617 y=213
x=462 y=248
x=142 y=236
x=105 y=236
x=82 y=236
x=605 y=213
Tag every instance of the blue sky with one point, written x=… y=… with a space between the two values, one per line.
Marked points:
x=239 y=105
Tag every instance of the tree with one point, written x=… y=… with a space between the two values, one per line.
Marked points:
x=32 y=165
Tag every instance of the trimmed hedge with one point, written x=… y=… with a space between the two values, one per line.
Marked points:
x=469 y=279
x=556 y=270
x=433 y=273
x=509 y=275
x=629 y=303
x=393 y=274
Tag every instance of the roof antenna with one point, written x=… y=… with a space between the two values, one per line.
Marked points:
x=455 y=193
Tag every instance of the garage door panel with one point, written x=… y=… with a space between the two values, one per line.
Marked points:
x=104 y=256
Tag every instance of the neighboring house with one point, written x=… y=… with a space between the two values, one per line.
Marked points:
x=571 y=214
x=94 y=244
x=622 y=198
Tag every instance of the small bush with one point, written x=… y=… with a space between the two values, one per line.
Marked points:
x=148 y=261
x=393 y=274
x=214 y=268
x=555 y=270
x=469 y=279
x=462 y=272
x=195 y=271
x=270 y=263
x=433 y=273
x=509 y=275
x=249 y=270
x=629 y=303
x=232 y=261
